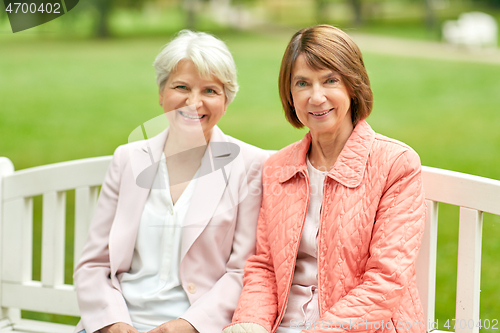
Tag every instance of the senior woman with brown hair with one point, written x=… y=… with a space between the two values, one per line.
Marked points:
x=343 y=209
x=177 y=213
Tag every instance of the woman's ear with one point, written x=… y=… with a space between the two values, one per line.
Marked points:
x=225 y=104
x=160 y=97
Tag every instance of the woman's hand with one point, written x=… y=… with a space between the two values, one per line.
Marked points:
x=118 y=328
x=175 y=326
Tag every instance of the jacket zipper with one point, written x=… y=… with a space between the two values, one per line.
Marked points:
x=321 y=219
x=278 y=322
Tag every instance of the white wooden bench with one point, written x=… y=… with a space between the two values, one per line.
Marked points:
x=473 y=194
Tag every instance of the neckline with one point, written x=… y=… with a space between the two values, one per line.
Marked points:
x=310 y=166
x=189 y=187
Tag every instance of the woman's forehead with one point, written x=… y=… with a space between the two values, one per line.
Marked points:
x=187 y=70
x=302 y=65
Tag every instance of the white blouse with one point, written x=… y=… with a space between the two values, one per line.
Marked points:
x=152 y=288
x=303 y=308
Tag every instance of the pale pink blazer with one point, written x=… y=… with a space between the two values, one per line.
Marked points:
x=218 y=237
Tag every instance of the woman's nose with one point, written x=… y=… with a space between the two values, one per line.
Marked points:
x=317 y=96
x=194 y=99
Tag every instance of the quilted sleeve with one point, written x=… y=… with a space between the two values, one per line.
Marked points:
x=258 y=302
x=396 y=237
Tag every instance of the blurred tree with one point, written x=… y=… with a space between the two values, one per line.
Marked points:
x=104 y=8
x=321 y=11
x=430 y=17
x=238 y=8
x=191 y=7
x=492 y=3
x=3 y=13
x=357 y=8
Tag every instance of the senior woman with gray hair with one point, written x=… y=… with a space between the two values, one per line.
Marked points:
x=169 y=239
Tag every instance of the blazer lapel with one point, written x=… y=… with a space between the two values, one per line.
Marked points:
x=210 y=186
x=144 y=158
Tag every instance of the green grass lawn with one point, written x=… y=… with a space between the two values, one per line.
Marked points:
x=62 y=100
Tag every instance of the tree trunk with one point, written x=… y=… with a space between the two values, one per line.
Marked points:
x=430 y=18
x=358 y=12
x=190 y=6
x=320 y=11
x=104 y=8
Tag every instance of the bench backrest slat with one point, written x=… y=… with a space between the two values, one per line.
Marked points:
x=17 y=240
x=426 y=263
x=461 y=189
x=56 y=177
x=53 y=238
x=32 y=296
x=85 y=203
x=469 y=270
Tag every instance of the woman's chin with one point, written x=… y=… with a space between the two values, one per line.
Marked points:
x=195 y=132
x=322 y=128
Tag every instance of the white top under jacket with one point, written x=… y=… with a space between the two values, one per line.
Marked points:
x=303 y=308
x=152 y=288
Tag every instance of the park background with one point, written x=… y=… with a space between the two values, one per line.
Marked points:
x=77 y=86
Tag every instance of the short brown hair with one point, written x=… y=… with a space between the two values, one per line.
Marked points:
x=325 y=46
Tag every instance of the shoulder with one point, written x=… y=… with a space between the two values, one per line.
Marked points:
x=393 y=150
x=129 y=146
x=397 y=158
x=281 y=156
x=121 y=154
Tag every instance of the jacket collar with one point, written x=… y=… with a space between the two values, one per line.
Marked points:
x=350 y=165
x=208 y=192
x=210 y=186
x=154 y=146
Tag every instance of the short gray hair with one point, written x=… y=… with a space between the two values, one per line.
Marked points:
x=209 y=54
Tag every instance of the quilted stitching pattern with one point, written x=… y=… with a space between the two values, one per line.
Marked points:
x=370 y=231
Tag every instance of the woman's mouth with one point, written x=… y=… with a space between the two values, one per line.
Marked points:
x=321 y=113
x=191 y=116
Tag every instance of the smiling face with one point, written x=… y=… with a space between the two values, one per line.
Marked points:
x=321 y=99
x=191 y=102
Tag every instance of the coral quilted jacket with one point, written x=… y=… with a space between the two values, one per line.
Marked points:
x=370 y=231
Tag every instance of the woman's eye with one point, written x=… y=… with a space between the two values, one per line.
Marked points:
x=181 y=87
x=331 y=81
x=211 y=91
x=301 y=84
